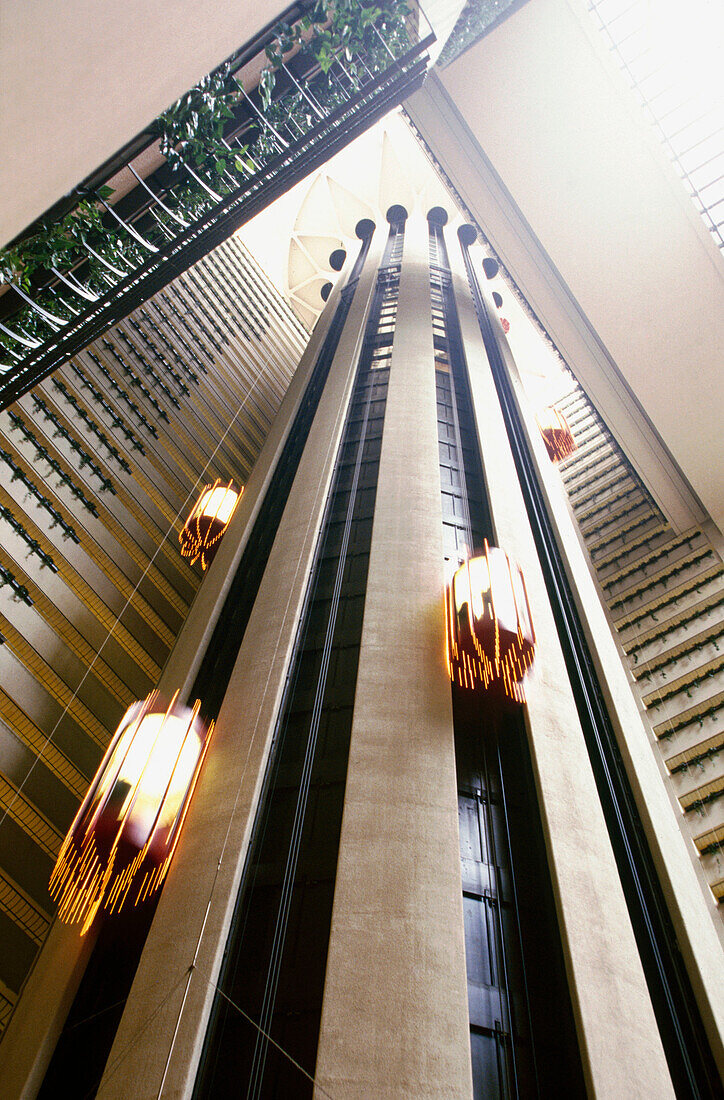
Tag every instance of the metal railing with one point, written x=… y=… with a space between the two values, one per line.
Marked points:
x=174 y=216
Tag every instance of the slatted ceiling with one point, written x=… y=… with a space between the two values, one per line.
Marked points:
x=697 y=755
x=710 y=840
x=671 y=58
x=19 y=907
x=251 y=374
x=36 y=825
x=135 y=600
x=52 y=683
x=150 y=571
x=7 y=1003
x=154 y=529
x=665 y=592
x=17 y=720
x=74 y=640
x=92 y=601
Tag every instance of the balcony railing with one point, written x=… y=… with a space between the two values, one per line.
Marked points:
x=278 y=115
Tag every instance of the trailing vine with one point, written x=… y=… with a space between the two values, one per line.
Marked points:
x=121 y=393
x=140 y=357
x=154 y=350
x=664 y=580
x=92 y=426
x=20 y=475
x=99 y=399
x=42 y=452
x=161 y=334
x=366 y=37
x=698 y=759
x=651 y=560
x=83 y=456
x=33 y=544
x=686 y=688
x=695 y=615
x=700 y=716
x=711 y=639
x=6 y=577
x=136 y=381
x=649 y=614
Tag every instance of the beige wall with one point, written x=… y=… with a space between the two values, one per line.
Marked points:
x=395 y=1014
x=192 y=920
x=80 y=79
x=639 y=282
x=610 y=999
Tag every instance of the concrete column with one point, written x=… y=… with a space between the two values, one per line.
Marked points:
x=160 y=1034
x=159 y=1040
x=698 y=924
x=30 y=1038
x=395 y=1013
x=619 y=1040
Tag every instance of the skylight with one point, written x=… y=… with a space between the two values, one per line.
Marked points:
x=673 y=58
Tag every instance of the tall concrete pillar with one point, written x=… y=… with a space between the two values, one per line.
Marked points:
x=159 y=1040
x=395 y=1015
x=619 y=1040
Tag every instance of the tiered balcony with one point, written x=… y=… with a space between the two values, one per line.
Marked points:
x=278 y=108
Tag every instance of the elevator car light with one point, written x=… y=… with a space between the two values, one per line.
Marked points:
x=490 y=637
x=200 y=535
x=556 y=433
x=121 y=842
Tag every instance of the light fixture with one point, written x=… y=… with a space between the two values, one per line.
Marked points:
x=121 y=842
x=557 y=435
x=199 y=536
x=490 y=637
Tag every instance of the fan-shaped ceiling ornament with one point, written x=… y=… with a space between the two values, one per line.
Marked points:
x=382 y=167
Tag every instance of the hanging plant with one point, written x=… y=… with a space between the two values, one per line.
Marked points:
x=191 y=134
x=54 y=244
x=191 y=130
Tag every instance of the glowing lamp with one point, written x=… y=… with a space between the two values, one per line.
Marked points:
x=490 y=637
x=556 y=433
x=124 y=835
x=199 y=536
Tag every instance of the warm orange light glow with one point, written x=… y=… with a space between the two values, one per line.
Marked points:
x=200 y=535
x=556 y=433
x=490 y=637
x=121 y=842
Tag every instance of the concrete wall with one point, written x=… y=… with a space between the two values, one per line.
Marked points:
x=575 y=193
x=79 y=80
x=395 y=1014
x=610 y=1000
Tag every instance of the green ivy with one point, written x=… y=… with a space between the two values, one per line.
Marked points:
x=191 y=135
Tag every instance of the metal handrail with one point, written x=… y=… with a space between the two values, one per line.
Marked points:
x=189 y=238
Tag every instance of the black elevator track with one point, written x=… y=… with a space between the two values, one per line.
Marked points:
x=91 y=1026
x=687 y=1050
x=522 y=1031
x=275 y=961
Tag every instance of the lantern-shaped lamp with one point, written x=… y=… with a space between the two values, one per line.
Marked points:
x=556 y=433
x=200 y=535
x=489 y=629
x=124 y=835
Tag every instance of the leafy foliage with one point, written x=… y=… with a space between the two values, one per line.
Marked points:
x=361 y=35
